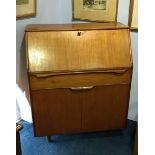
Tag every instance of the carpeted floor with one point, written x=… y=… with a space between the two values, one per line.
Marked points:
x=118 y=142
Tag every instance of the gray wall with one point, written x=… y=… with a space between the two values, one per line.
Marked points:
x=60 y=11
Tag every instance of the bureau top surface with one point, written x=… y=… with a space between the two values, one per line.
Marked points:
x=74 y=27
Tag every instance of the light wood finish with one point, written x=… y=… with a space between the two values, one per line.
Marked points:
x=52 y=51
x=79 y=77
x=47 y=81
x=74 y=27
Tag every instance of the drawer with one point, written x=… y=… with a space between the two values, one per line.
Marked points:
x=40 y=81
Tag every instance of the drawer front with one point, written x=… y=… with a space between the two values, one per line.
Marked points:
x=49 y=81
x=99 y=108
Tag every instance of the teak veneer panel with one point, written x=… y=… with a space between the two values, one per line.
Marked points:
x=105 y=108
x=52 y=51
x=62 y=111
x=77 y=80
x=56 y=112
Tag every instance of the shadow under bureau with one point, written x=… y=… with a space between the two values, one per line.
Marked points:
x=79 y=77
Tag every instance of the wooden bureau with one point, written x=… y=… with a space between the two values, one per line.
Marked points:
x=79 y=77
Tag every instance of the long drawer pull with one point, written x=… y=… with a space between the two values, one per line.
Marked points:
x=82 y=88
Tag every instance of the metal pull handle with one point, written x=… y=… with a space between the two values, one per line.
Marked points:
x=82 y=88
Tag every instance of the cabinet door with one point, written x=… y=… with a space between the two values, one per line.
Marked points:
x=105 y=108
x=56 y=111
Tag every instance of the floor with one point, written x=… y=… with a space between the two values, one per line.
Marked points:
x=118 y=142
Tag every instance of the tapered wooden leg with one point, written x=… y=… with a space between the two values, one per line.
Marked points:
x=48 y=138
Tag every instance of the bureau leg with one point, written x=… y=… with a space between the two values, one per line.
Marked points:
x=48 y=138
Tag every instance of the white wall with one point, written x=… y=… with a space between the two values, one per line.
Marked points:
x=60 y=11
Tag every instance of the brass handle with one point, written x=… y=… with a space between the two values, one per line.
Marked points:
x=82 y=88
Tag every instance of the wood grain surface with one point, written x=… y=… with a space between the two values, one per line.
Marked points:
x=62 y=111
x=52 y=51
x=45 y=81
x=79 y=77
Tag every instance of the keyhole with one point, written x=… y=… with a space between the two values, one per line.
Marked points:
x=79 y=34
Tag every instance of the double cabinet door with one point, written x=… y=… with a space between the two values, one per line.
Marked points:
x=83 y=103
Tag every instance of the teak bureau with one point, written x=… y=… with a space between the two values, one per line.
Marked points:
x=79 y=77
